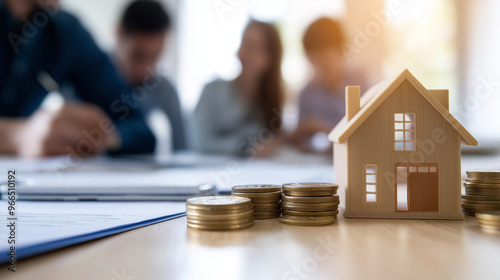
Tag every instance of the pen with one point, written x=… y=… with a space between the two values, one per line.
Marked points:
x=54 y=99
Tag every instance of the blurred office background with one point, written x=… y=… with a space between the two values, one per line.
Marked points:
x=445 y=43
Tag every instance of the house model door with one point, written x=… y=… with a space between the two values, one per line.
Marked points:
x=417 y=187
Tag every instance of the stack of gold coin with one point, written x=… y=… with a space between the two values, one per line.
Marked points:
x=309 y=204
x=482 y=192
x=265 y=199
x=489 y=221
x=219 y=213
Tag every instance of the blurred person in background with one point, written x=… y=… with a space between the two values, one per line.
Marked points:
x=242 y=116
x=141 y=38
x=322 y=101
x=42 y=48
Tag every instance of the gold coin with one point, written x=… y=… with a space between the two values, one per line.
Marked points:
x=489 y=202
x=272 y=206
x=482 y=185
x=218 y=203
x=481 y=207
x=473 y=212
x=219 y=217
x=310 y=214
x=490 y=227
x=310 y=193
x=491 y=216
x=266 y=216
x=488 y=222
x=486 y=181
x=326 y=204
x=262 y=211
x=307 y=187
x=256 y=188
x=220 y=223
x=307 y=221
x=219 y=228
x=265 y=201
x=267 y=195
x=469 y=212
x=483 y=174
x=309 y=208
x=481 y=197
x=482 y=191
x=321 y=199
x=212 y=210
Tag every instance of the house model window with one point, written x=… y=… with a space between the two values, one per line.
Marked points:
x=405 y=132
x=371 y=182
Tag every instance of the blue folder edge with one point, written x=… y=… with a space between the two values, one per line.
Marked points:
x=24 y=252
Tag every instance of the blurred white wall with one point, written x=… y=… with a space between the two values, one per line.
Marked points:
x=479 y=108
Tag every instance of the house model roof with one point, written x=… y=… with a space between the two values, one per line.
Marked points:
x=379 y=93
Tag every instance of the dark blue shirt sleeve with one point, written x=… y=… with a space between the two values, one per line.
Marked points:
x=96 y=81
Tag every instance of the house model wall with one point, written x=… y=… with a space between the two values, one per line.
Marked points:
x=397 y=152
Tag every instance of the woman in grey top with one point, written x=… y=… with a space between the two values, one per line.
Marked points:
x=242 y=116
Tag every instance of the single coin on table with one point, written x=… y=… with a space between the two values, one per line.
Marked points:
x=307 y=221
x=256 y=188
x=489 y=216
x=489 y=221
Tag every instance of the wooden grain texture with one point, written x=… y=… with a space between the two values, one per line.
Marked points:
x=369 y=135
x=349 y=249
x=377 y=96
x=437 y=143
x=352 y=97
x=442 y=95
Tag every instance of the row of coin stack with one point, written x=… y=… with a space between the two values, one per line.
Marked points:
x=301 y=204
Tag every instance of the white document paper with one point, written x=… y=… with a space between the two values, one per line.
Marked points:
x=42 y=225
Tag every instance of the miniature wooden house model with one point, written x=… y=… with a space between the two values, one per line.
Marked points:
x=397 y=152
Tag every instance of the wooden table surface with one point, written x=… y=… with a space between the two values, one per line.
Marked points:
x=349 y=249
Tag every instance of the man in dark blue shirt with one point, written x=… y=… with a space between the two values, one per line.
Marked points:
x=37 y=40
x=141 y=37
